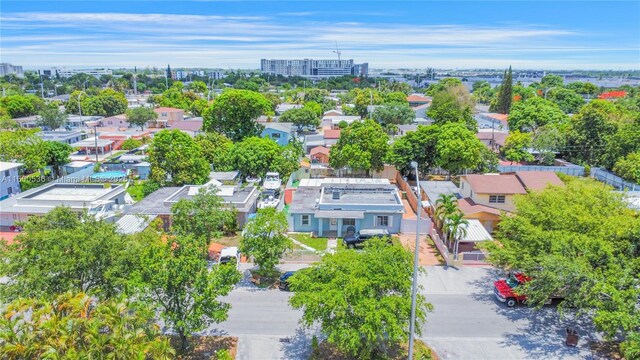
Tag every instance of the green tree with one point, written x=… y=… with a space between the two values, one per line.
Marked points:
x=456 y=226
x=18 y=106
x=419 y=146
x=628 y=167
x=590 y=128
x=175 y=279
x=569 y=101
x=176 y=159
x=458 y=148
x=131 y=144
x=395 y=97
x=216 y=148
x=56 y=154
x=533 y=113
x=482 y=92
x=198 y=86
x=394 y=113
x=453 y=105
x=301 y=118
x=315 y=95
x=315 y=107
x=254 y=156
x=551 y=80
x=583 y=88
x=621 y=143
x=363 y=98
x=77 y=326
x=264 y=239
x=62 y=251
x=234 y=112
x=361 y=146
x=446 y=207
x=52 y=118
x=589 y=257
x=517 y=145
x=274 y=99
x=6 y=123
x=24 y=146
x=205 y=216
x=505 y=96
x=442 y=85
x=344 y=290
x=140 y=116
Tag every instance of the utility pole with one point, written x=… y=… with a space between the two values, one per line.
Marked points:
x=414 y=285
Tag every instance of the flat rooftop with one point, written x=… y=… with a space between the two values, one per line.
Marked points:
x=69 y=192
x=360 y=194
x=342 y=181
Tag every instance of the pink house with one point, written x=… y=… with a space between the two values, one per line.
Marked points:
x=167 y=116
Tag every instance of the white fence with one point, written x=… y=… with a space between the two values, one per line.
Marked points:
x=613 y=180
x=573 y=170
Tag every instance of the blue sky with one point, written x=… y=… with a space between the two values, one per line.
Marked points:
x=387 y=34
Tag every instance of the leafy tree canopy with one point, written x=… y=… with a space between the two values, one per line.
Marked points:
x=62 y=251
x=453 y=105
x=140 y=116
x=589 y=257
x=264 y=238
x=458 y=148
x=234 y=112
x=176 y=159
x=517 y=145
x=394 y=113
x=52 y=118
x=533 y=113
x=79 y=326
x=301 y=117
x=205 y=216
x=344 y=290
x=419 y=146
x=361 y=146
x=216 y=148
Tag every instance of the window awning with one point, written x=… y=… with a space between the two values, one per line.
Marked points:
x=339 y=214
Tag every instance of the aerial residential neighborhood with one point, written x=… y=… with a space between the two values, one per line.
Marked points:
x=319 y=180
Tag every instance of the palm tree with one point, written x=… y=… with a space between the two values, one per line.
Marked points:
x=457 y=227
x=446 y=205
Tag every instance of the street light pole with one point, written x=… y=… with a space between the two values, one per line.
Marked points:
x=414 y=285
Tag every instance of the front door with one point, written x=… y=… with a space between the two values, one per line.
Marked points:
x=333 y=224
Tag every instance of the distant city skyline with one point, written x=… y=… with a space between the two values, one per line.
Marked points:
x=219 y=34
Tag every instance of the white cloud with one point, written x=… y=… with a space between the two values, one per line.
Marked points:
x=119 y=39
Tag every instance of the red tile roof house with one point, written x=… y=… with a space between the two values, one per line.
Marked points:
x=417 y=100
x=319 y=155
x=494 y=140
x=485 y=196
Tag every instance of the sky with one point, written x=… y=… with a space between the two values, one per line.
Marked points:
x=386 y=34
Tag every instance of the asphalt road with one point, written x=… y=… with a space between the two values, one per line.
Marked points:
x=467 y=323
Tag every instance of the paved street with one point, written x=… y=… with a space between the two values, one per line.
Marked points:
x=467 y=323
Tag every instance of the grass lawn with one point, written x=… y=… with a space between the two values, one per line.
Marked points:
x=135 y=191
x=318 y=243
x=229 y=240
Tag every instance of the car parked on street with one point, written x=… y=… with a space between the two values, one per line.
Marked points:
x=506 y=290
x=355 y=239
x=283 y=283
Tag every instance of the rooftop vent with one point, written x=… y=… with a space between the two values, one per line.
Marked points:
x=336 y=195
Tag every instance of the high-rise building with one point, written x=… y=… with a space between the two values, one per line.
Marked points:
x=8 y=69
x=313 y=68
x=67 y=73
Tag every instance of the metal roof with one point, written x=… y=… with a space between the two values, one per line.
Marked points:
x=133 y=223
x=475 y=232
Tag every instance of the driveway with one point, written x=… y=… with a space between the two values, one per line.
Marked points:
x=467 y=323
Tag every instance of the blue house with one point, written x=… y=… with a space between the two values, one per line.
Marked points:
x=332 y=207
x=280 y=132
x=9 y=179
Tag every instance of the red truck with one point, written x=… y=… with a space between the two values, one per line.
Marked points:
x=505 y=289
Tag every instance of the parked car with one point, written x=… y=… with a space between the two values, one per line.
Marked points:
x=229 y=255
x=353 y=240
x=283 y=284
x=506 y=291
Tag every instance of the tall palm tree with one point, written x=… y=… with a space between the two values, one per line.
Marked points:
x=457 y=227
x=446 y=205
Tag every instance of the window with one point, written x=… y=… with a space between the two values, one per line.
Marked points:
x=305 y=220
x=275 y=135
x=7 y=173
x=496 y=199
x=382 y=221
x=349 y=222
x=333 y=222
x=163 y=114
